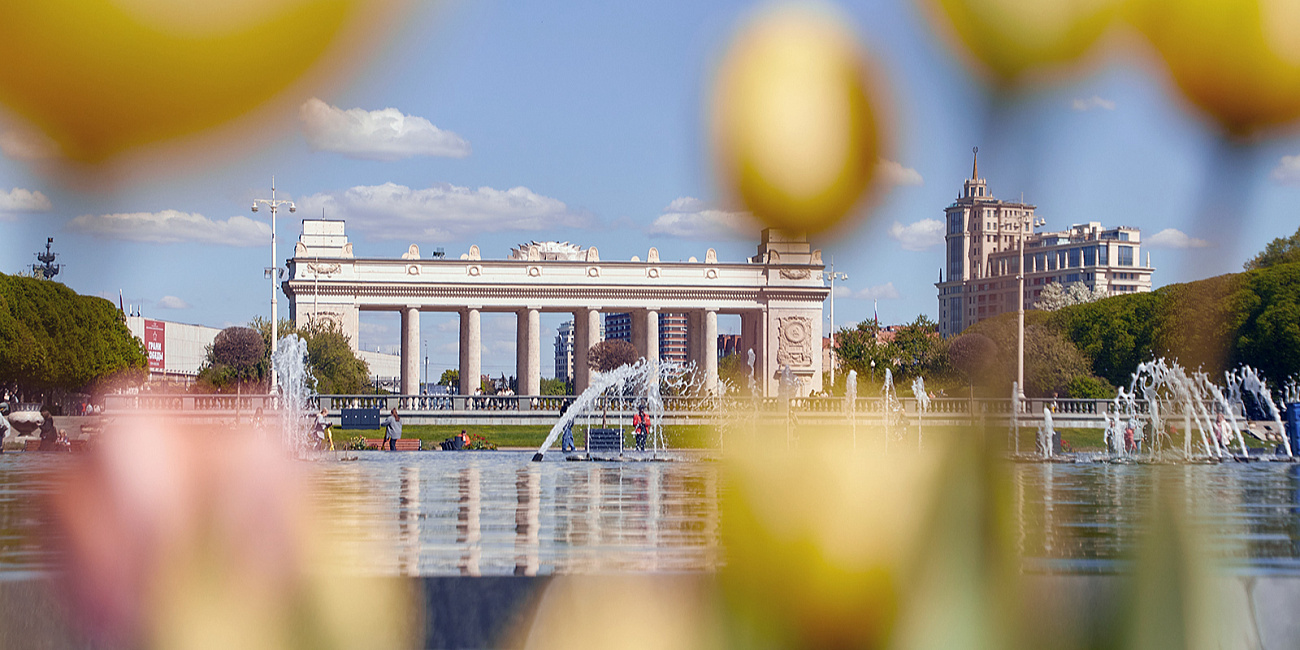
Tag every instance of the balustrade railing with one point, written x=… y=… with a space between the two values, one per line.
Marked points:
x=686 y=405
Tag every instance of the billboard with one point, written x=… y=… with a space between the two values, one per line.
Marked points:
x=155 y=344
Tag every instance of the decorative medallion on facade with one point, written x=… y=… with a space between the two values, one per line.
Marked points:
x=794 y=346
x=795 y=274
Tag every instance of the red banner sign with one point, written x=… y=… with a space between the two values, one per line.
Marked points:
x=155 y=344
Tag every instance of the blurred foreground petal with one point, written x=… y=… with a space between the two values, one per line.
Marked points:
x=100 y=77
x=1238 y=60
x=1007 y=39
x=176 y=537
x=795 y=131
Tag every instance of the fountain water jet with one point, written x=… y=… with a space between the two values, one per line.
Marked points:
x=922 y=406
x=295 y=380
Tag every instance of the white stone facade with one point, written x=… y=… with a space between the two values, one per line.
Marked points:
x=778 y=294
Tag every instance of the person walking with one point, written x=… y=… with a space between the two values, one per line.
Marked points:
x=392 y=430
x=566 y=440
x=5 y=429
x=49 y=434
x=324 y=437
x=641 y=427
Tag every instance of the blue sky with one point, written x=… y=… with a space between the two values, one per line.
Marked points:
x=597 y=110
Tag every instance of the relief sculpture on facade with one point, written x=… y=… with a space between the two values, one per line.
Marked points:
x=794 y=345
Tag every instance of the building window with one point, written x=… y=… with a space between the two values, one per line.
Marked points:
x=1125 y=255
x=1123 y=236
x=1103 y=255
x=1071 y=277
x=1090 y=256
x=1074 y=258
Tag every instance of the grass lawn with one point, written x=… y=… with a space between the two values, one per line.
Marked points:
x=695 y=436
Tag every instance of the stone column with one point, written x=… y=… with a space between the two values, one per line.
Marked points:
x=471 y=344
x=764 y=352
x=694 y=338
x=528 y=350
x=638 y=331
x=651 y=337
x=586 y=331
x=709 y=350
x=748 y=341
x=410 y=351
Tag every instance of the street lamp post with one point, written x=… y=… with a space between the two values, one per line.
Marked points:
x=833 y=276
x=1020 y=313
x=273 y=271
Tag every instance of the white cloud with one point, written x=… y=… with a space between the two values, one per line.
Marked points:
x=1287 y=171
x=841 y=291
x=919 y=235
x=690 y=218
x=385 y=134
x=1094 y=102
x=892 y=173
x=1174 y=238
x=884 y=291
x=172 y=302
x=21 y=200
x=443 y=212
x=27 y=145
x=171 y=226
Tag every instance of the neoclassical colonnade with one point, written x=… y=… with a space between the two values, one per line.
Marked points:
x=778 y=295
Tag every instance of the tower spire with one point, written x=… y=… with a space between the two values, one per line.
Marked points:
x=975 y=168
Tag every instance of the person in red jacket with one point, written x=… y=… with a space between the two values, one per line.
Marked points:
x=640 y=427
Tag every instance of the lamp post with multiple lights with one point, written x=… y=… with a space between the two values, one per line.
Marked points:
x=273 y=271
x=833 y=276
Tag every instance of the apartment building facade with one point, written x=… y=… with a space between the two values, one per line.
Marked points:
x=983 y=239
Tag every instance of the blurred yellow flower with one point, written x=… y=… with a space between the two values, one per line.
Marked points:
x=103 y=76
x=794 y=130
x=1010 y=38
x=1238 y=60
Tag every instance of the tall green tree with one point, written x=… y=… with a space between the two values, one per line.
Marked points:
x=51 y=338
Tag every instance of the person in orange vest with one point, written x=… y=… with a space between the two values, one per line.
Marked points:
x=464 y=439
x=640 y=427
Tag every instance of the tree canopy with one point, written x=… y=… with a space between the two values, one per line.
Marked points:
x=1283 y=250
x=52 y=338
x=334 y=367
x=1056 y=295
x=1250 y=318
x=915 y=349
x=610 y=354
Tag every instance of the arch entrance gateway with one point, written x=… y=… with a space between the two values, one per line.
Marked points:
x=778 y=295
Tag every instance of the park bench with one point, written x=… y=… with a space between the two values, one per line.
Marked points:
x=403 y=444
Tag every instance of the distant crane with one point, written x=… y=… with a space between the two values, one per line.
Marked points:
x=47 y=268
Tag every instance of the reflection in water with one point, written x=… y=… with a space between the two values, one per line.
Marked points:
x=498 y=514
x=528 y=485
x=1089 y=517
x=468 y=532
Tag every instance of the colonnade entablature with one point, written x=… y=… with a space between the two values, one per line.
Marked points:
x=778 y=295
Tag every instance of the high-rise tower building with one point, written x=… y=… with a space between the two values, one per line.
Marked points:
x=673 y=339
x=564 y=349
x=982 y=257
